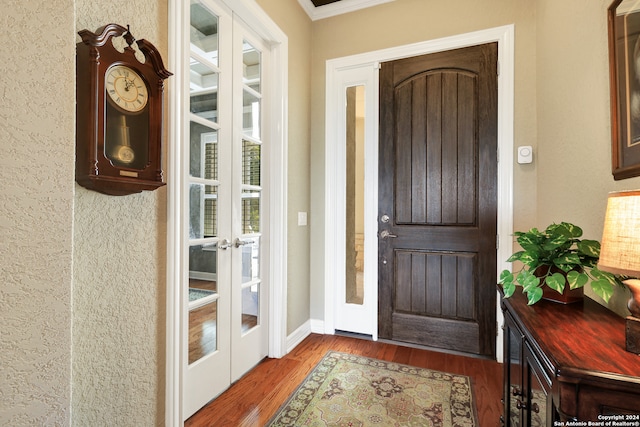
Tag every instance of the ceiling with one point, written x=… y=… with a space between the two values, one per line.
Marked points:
x=319 y=9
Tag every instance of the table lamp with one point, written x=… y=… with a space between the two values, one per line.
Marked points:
x=620 y=254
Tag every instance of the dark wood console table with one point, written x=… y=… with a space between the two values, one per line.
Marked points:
x=566 y=362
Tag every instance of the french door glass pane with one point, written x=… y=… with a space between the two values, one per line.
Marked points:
x=250 y=163
x=203 y=211
x=203 y=269
x=250 y=283
x=203 y=152
x=251 y=70
x=251 y=96
x=251 y=114
x=203 y=90
x=203 y=300
x=203 y=331
x=204 y=32
x=250 y=307
x=251 y=260
x=250 y=212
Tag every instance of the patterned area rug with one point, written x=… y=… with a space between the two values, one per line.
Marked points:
x=348 y=390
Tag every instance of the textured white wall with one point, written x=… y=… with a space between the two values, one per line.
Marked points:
x=37 y=110
x=119 y=272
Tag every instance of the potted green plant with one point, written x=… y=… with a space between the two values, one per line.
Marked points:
x=557 y=257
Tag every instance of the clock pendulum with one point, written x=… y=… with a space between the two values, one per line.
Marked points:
x=123 y=152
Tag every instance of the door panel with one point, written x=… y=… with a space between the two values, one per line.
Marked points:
x=249 y=328
x=207 y=276
x=437 y=181
x=419 y=277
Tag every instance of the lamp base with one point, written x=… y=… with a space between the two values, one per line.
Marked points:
x=632 y=330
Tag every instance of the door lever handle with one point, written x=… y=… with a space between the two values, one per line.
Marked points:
x=384 y=234
x=224 y=244
x=239 y=242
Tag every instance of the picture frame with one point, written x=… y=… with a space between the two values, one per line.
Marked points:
x=624 y=75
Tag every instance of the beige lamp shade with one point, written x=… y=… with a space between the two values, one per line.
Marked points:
x=620 y=245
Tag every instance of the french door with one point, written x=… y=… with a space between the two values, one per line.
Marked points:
x=224 y=288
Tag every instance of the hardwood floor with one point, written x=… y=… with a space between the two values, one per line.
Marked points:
x=255 y=398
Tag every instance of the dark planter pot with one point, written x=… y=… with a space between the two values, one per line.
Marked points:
x=568 y=296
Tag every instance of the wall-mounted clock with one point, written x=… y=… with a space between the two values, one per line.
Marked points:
x=119 y=112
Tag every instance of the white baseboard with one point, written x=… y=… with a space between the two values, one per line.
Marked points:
x=298 y=335
x=311 y=326
x=317 y=326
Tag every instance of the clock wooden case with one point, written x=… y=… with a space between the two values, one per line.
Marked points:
x=119 y=112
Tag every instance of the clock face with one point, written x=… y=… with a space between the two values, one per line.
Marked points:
x=126 y=88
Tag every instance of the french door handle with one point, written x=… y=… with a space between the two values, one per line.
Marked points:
x=239 y=242
x=224 y=244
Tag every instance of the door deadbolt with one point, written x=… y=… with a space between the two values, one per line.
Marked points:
x=384 y=218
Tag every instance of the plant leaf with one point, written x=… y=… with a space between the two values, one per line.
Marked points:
x=529 y=258
x=604 y=275
x=529 y=282
x=556 y=282
x=534 y=295
x=506 y=277
x=516 y=256
x=530 y=241
x=589 y=247
x=567 y=259
x=508 y=289
x=576 y=280
x=602 y=288
x=555 y=242
x=570 y=230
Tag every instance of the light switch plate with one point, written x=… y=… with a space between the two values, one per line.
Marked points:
x=302 y=218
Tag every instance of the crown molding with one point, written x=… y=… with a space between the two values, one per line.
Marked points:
x=337 y=8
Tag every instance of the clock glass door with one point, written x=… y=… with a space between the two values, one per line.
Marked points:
x=224 y=309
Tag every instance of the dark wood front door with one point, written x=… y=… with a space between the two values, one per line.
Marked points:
x=437 y=200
